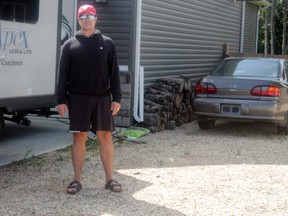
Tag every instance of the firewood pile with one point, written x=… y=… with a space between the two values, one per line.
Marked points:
x=167 y=104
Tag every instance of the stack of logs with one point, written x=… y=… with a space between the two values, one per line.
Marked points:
x=167 y=104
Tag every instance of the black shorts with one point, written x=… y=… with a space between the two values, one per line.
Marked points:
x=90 y=113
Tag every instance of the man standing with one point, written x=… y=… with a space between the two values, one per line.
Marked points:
x=89 y=87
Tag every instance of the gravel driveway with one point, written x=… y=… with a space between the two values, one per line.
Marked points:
x=233 y=169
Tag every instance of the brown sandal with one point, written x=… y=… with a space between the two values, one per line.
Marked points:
x=113 y=186
x=75 y=186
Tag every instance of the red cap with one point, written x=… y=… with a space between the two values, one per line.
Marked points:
x=86 y=8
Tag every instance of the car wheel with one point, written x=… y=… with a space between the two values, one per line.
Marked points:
x=283 y=129
x=2 y=124
x=206 y=124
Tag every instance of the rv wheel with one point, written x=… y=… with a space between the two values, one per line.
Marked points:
x=2 y=123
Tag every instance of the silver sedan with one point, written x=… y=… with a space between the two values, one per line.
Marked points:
x=249 y=89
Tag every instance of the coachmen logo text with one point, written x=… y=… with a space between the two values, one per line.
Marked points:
x=13 y=42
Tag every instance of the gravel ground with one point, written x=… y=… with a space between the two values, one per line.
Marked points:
x=233 y=169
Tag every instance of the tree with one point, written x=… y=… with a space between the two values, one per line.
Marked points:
x=273 y=28
x=266 y=33
x=284 y=31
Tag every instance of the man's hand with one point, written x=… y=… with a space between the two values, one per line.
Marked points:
x=115 y=107
x=62 y=109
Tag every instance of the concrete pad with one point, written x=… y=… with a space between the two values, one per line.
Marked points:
x=44 y=135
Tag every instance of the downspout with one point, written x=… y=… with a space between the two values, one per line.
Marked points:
x=242 y=26
x=138 y=105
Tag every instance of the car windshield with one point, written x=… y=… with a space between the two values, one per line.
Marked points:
x=247 y=67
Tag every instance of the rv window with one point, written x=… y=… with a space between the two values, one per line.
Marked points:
x=26 y=11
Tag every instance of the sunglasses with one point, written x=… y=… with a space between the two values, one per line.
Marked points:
x=87 y=17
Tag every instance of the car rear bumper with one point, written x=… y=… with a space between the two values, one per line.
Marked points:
x=268 y=111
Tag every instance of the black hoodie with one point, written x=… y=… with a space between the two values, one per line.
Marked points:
x=89 y=66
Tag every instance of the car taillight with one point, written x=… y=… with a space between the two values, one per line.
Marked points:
x=205 y=88
x=267 y=91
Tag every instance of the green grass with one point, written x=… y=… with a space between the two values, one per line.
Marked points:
x=37 y=162
x=92 y=148
x=28 y=152
x=62 y=155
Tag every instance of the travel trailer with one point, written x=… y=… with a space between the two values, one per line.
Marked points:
x=31 y=33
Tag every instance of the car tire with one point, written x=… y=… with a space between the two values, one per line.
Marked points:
x=206 y=124
x=2 y=124
x=283 y=129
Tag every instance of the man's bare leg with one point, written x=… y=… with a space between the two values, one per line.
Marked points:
x=107 y=155
x=78 y=156
x=106 y=152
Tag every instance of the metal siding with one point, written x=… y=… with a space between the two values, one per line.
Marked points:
x=114 y=20
x=250 y=29
x=186 y=37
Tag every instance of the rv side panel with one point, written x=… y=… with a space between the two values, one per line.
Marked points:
x=29 y=48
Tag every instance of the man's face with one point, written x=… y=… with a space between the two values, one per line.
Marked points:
x=87 y=21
